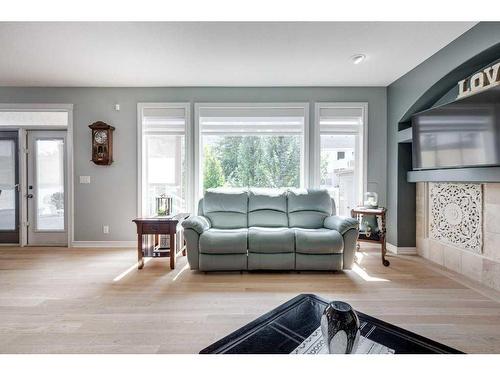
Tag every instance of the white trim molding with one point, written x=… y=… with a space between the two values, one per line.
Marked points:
x=315 y=176
x=126 y=244
x=243 y=109
x=43 y=107
x=186 y=106
x=401 y=250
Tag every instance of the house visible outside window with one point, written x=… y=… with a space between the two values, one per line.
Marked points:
x=251 y=145
x=163 y=155
x=341 y=152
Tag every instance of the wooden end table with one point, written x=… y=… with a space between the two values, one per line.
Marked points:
x=155 y=226
x=376 y=237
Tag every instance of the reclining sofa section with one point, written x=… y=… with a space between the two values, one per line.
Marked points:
x=269 y=230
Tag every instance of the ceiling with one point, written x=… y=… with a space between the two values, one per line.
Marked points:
x=215 y=53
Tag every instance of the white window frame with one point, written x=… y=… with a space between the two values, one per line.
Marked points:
x=186 y=106
x=316 y=175
x=198 y=152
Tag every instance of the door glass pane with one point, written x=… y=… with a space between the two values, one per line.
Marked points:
x=50 y=184
x=7 y=185
x=339 y=172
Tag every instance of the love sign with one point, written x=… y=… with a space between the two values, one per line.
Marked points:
x=482 y=80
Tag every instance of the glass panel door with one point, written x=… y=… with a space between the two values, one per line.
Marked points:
x=9 y=184
x=46 y=188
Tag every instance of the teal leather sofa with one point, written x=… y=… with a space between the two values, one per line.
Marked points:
x=269 y=229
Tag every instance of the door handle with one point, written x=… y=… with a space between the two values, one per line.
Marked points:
x=29 y=196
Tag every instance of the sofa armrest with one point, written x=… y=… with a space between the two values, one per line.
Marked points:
x=340 y=224
x=197 y=223
x=348 y=228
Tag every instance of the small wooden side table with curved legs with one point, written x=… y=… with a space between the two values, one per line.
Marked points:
x=377 y=235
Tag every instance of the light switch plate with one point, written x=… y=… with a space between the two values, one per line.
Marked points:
x=85 y=179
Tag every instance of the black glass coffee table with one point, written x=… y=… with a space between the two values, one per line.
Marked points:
x=283 y=329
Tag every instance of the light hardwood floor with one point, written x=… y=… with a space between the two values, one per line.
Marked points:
x=57 y=300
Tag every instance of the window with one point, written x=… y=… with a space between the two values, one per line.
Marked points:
x=163 y=155
x=251 y=145
x=342 y=152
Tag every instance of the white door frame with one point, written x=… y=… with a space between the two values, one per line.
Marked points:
x=44 y=237
x=42 y=107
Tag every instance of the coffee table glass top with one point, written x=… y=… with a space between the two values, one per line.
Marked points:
x=286 y=327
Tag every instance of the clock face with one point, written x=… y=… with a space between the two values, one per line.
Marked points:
x=101 y=137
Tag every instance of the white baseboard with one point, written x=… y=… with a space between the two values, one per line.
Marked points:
x=400 y=250
x=104 y=244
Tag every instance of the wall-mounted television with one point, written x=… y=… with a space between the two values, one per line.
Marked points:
x=464 y=133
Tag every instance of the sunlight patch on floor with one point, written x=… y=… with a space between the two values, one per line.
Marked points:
x=181 y=271
x=364 y=275
x=130 y=269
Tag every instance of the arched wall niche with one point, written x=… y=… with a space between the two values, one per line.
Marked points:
x=442 y=91
x=445 y=90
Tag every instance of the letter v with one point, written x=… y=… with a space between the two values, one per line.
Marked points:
x=492 y=73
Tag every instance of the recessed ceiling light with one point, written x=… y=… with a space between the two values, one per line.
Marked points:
x=358 y=59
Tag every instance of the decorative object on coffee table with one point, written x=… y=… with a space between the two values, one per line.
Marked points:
x=167 y=225
x=284 y=330
x=372 y=227
x=340 y=328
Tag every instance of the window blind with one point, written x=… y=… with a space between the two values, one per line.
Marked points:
x=340 y=119
x=169 y=120
x=252 y=120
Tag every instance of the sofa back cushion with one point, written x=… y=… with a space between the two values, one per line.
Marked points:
x=226 y=209
x=308 y=208
x=267 y=208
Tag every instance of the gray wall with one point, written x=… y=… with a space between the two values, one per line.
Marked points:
x=111 y=197
x=401 y=95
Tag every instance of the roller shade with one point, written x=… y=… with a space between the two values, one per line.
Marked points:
x=338 y=119
x=251 y=120
x=164 y=120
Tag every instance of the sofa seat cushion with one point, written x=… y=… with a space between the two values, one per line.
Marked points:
x=318 y=241
x=224 y=241
x=271 y=240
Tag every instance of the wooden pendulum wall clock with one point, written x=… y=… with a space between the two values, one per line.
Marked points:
x=102 y=143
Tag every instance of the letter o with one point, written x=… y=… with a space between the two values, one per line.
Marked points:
x=477 y=81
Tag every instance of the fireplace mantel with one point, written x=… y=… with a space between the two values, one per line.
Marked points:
x=476 y=175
